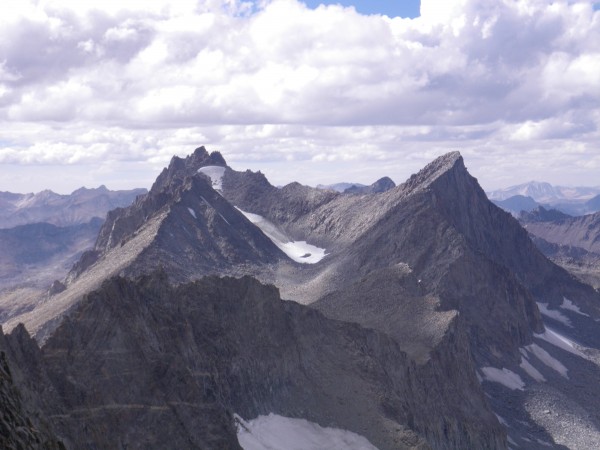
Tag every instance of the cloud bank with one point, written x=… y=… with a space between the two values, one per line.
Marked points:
x=123 y=85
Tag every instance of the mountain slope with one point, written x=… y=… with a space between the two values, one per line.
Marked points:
x=571 y=242
x=582 y=232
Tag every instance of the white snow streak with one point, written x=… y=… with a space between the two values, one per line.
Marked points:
x=568 y=304
x=547 y=359
x=560 y=341
x=275 y=432
x=554 y=314
x=299 y=251
x=215 y=173
x=503 y=376
x=192 y=212
x=527 y=367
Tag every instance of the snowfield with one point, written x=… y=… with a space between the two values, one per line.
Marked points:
x=215 y=173
x=528 y=367
x=503 y=376
x=299 y=251
x=568 y=304
x=275 y=432
x=554 y=314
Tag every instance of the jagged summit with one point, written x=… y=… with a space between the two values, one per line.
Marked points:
x=179 y=168
x=452 y=161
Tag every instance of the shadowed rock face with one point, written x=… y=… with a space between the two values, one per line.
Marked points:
x=134 y=355
x=198 y=231
x=22 y=424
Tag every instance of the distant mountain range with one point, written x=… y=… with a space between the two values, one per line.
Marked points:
x=572 y=242
x=42 y=235
x=415 y=316
x=381 y=185
x=575 y=201
x=79 y=207
x=543 y=192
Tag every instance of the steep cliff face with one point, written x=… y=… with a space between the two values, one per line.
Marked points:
x=459 y=246
x=22 y=424
x=202 y=234
x=136 y=354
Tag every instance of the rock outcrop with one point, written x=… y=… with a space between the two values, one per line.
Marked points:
x=22 y=424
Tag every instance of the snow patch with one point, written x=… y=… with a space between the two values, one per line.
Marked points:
x=501 y=420
x=192 y=212
x=529 y=369
x=554 y=314
x=548 y=359
x=299 y=251
x=568 y=304
x=503 y=376
x=215 y=173
x=560 y=341
x=275 y=432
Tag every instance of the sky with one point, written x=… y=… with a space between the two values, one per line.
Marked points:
x=107 y=92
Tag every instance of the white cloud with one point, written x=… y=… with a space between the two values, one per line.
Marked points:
x=273 y=81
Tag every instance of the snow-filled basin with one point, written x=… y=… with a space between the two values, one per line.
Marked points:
x=215 y=173
x=299 y=251
x=277 y=432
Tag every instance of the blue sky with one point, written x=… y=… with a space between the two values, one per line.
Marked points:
x=391 y=8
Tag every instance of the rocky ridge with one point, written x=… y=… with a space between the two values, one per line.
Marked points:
x=571 y=242
x=449 y=277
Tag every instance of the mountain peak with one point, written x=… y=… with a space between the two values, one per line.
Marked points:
x=201 y=158
x=452 y=161
x=179 y=168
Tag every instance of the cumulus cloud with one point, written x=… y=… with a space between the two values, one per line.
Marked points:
x=273 y=81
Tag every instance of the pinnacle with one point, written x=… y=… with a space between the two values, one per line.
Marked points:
x=435 y=169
